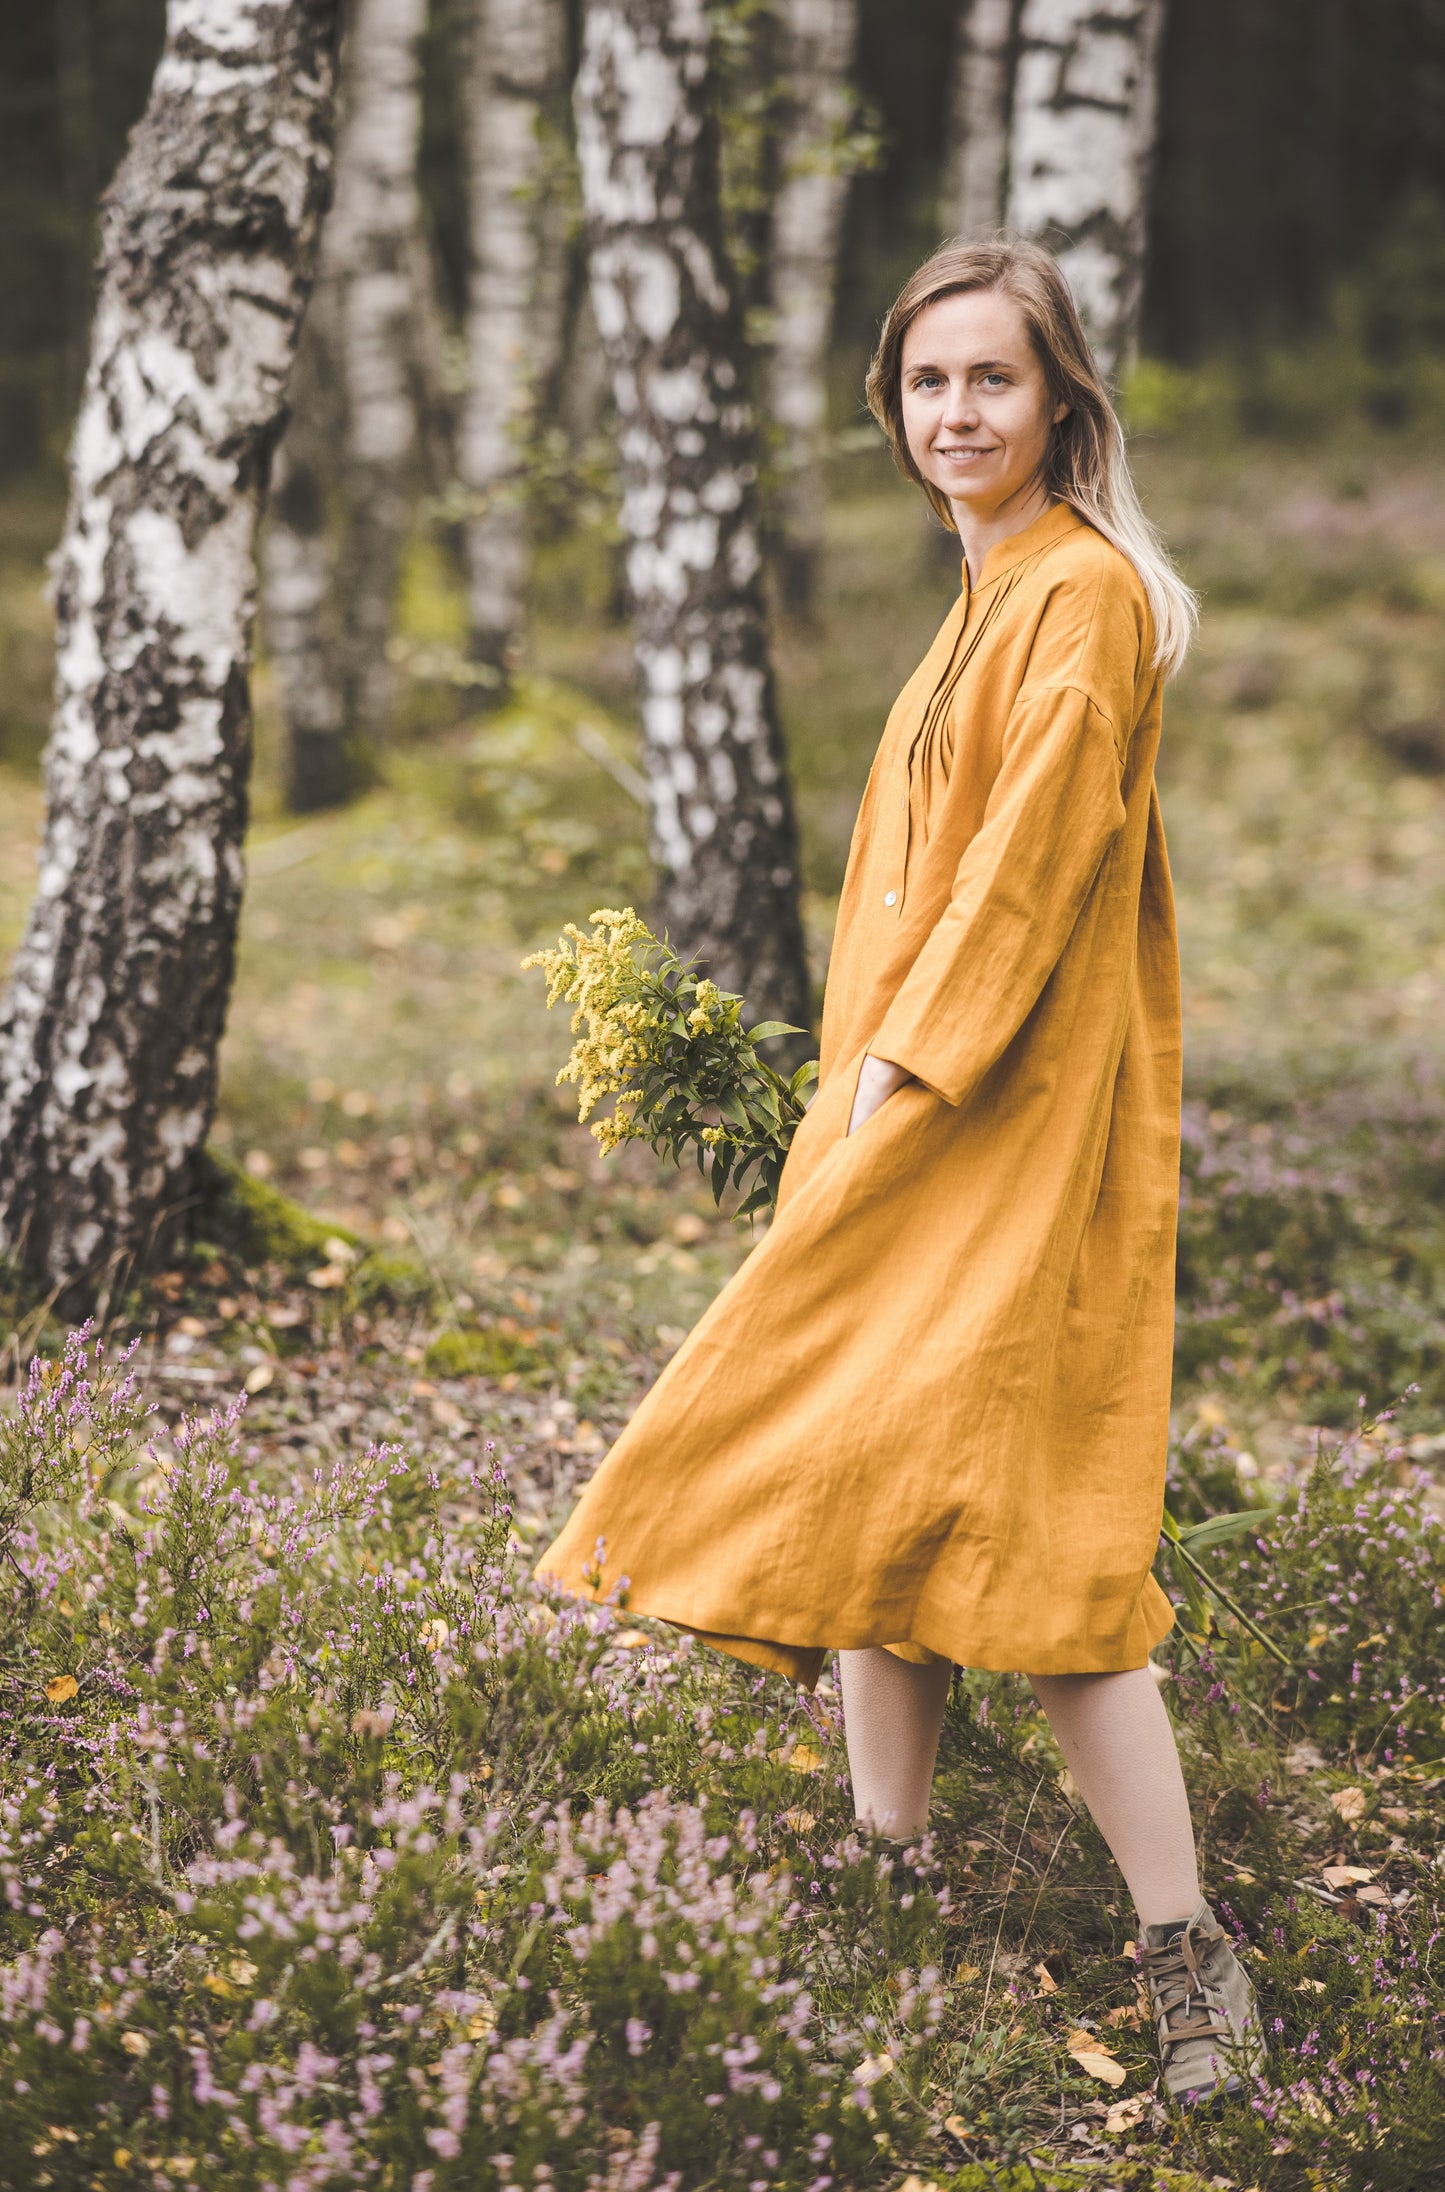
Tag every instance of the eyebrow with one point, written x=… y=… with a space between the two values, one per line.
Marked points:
x=979 y=365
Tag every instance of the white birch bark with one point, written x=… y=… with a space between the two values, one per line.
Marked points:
x=1084 y=116
x=722 y=822
x=514 y=301
x=821 y=36
x=976 y=184
x=110 y=1027
x=330 y=577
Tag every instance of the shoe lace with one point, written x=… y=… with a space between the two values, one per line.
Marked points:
x=1185 y=2004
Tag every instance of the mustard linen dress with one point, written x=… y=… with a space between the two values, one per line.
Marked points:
x=931 y=1409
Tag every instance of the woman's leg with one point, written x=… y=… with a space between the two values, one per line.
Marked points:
x=892 y=1714
x=1118 y=1744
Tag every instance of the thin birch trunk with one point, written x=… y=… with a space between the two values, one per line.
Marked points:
x=109 y=1030
x=514 y=304
x=807 y=222
x=331 y=573
x=1085 y=108
x=976 y=189
x=722 y=821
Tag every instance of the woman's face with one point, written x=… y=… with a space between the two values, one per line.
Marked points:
x=976 y=408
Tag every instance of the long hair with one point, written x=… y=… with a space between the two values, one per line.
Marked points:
x=1085 y=464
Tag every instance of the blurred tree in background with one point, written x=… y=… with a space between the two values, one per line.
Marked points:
x=635 y=318
x=1294 y=135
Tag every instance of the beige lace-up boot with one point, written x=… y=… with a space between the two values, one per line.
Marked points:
x=1210 y=2038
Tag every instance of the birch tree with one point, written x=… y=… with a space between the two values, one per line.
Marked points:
x=514 y=303
x=343 y=494
x=1084 y=113
x=722 y=821
x=821 y=37
x=110 y=1028
x=976 y=185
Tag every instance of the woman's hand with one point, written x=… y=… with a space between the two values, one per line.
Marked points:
x=877 y=1081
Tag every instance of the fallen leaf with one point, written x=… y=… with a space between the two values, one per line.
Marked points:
x=1123 y=2115
x=804 y=1759
x=920 y=2184
x=631 y=1640
x=194 y=1328
x=1099 y=2065
x=1048 y=1984
x=801 y=1822
x=259 y=1377
x=1372 y=1895
x=327 y=1275
x=1082 y=2037
x=62 y=1689
x=1344 y=1876
x=955 y=2127
x=1349 y=1803
x=447 y=1413
x=1126 y=2014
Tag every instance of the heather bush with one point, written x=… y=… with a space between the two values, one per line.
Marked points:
x=333 y=1852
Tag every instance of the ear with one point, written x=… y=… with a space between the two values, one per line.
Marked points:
x=1061 y=413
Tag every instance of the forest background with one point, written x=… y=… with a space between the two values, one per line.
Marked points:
x=402 y=1237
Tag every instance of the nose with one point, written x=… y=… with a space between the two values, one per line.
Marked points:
x=961 y=411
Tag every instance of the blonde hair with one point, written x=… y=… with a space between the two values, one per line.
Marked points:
x=1086 y=464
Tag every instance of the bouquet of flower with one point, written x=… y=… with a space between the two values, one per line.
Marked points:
x=671 y=1047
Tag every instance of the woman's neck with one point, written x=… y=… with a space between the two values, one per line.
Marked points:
x=982 y=529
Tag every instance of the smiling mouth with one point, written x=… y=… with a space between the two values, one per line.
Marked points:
x=967 y=450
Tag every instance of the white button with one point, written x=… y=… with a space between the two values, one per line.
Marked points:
x=890 y=898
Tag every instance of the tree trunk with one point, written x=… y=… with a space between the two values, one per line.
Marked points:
x=807 y=221
x=514 y=302
x=977 y=175
x=1085 y=103
x=301 y=607
x=722 y=820
x=110 y=1028
x=333 y=545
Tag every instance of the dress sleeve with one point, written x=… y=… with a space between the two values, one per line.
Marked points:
x=1054 y=810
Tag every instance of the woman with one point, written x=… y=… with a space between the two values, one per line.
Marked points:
x=926 y=1423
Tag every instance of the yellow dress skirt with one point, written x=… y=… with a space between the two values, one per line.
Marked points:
x=931 y=1409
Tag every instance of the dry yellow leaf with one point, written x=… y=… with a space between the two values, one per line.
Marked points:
x=631 y=1640
x=920 y=2184
x=62 y=1689
x=1123 y=2115
x=1099 y=2065
x=259 y=1377
x=804 y=1759
x=1345 y=1876
x=1349 y=1803
x=801 y=1822
x=1048 y=1984
x=1082 y=2037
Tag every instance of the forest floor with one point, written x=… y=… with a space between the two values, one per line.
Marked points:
x=477 y=1275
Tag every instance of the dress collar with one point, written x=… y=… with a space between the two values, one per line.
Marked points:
x=1051 y=525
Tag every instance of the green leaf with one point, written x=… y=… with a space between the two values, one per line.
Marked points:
x=766 y=1029
x=1218 y=1529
